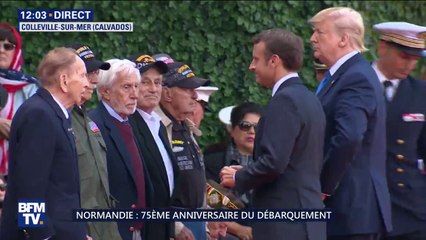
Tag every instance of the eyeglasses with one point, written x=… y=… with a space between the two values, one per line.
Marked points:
x=3 y=186
x=8 y=46
x=246 y=126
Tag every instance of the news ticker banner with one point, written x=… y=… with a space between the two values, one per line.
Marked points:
x=209 y=215
x=33 y=214
x=74 y=20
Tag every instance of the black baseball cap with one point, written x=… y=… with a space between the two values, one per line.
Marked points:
x=181 y=75
x=144 y=62
x=88 y=57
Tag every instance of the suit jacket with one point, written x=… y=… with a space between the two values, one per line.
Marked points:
x=214 y=162
x=94 y=186
x=120 y=171
x=354 y=172
x=155 y=166
x=43 y=166
x=285 y=173
x=406 y=141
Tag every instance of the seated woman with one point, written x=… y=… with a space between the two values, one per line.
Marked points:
x=19 y=87
x=238 y=151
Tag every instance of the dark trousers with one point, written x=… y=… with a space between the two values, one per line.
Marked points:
x=374 y=236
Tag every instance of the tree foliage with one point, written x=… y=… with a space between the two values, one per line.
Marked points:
x=213 y=37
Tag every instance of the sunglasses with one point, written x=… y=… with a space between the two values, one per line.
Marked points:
x=246 y=126
x=8 y=46
x=3 y=186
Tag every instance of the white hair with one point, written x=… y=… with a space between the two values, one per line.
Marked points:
x=108 y=77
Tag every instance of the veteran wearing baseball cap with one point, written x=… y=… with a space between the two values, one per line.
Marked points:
x=400 y=47
x=153 y=144
x=94 y=184
x=93 y=67
x=177 y=103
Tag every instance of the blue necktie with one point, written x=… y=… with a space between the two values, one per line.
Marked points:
x=324 y=82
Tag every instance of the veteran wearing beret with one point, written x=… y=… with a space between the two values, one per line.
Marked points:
x=400 y=47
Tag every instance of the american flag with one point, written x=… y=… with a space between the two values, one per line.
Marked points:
x=93 y=127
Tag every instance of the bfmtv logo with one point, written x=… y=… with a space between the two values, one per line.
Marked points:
x=31 y=214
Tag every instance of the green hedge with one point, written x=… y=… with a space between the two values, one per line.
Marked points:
x=211 y=36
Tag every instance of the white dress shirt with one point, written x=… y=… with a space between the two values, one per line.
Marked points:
x=153 y=122
x=282 y=80
x=113 y=113
x=67 y=115
x=391 y=90
x=341 y=61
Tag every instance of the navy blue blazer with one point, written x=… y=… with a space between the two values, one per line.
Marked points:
x=43 y=166
x=354 y=172
x=285 y=173
x=120 y=171
x=406 y=142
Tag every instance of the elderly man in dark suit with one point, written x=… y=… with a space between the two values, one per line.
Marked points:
x=400 y=47
x=285 y=172
x=128 y=178
x=353 y=179
x=43 y=159
x=154 y=145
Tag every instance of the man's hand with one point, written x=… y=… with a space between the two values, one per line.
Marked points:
x=217 y=229
x=5 y=128
x=245 y=233
x=242 y=232
x=185 y=234
x=88 y=237
x=227 y=176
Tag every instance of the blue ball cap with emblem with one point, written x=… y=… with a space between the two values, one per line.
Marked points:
x=409 y=38
x=88 y=57
x=144 y=62
x=181 y=75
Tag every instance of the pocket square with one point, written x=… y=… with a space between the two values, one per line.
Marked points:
x=413 y=117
